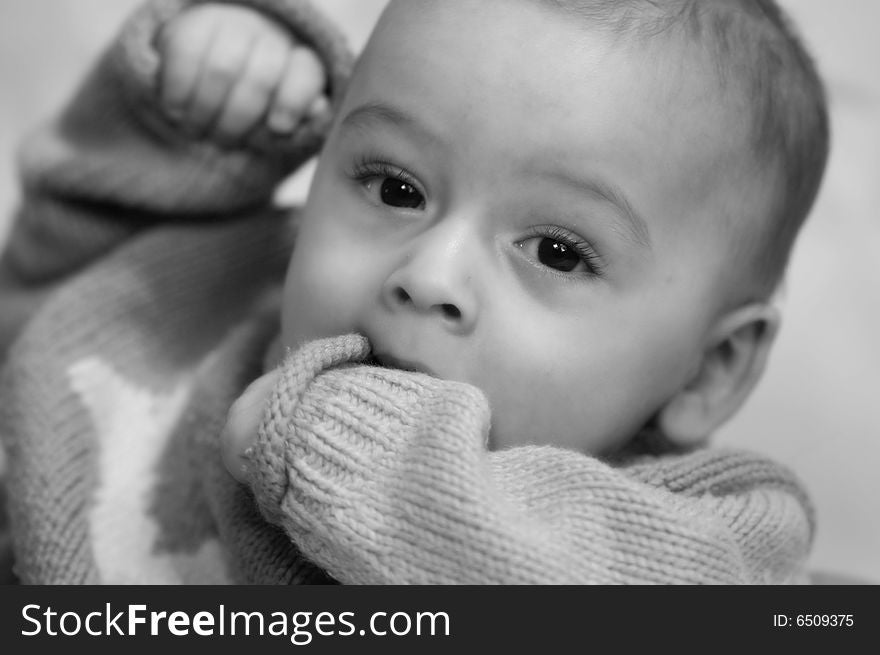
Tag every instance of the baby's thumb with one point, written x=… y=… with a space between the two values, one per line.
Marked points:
x=242 y=422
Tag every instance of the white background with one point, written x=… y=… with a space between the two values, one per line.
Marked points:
x=816 y=409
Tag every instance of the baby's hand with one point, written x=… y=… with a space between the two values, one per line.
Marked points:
x=226 y=70
x=242 y=423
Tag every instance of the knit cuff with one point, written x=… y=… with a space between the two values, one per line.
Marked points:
x=348 y=454
x=138 y=67
x=332 y=414
x=299 y=370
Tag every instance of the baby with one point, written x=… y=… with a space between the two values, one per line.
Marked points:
x=533 y=275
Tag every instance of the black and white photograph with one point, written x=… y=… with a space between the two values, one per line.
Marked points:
x=423 y=292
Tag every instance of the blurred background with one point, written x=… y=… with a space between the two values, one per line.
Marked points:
x=815 y=409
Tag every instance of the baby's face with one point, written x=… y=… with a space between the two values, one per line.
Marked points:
x=510 y=200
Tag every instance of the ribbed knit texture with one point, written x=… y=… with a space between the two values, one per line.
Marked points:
x=150 y=267
x=382 y=476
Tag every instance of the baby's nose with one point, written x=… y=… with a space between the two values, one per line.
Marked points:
x=435 y=279
x=448 y=311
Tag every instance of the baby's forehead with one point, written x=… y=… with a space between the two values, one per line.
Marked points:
x=656 y=33
x=534 y=43
x=581 y=75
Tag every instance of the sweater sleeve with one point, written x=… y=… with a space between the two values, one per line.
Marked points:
x=383 y=477
x=110 y=165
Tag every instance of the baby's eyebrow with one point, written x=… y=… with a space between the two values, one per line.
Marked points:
x=363 y=115
x=607 y=192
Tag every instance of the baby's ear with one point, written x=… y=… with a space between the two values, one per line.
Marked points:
x=731 y=365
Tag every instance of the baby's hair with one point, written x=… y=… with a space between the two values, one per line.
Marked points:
x=757 y=53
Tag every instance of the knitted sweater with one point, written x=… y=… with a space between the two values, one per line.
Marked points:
x=148 y=268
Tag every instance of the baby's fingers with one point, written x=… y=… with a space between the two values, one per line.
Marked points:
x=250 y=97
x=299 y=93
x=242 y=424
x=183 y=45
x=227 y=57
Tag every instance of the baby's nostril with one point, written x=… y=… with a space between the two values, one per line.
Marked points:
x=401 y=295
x=451 y=311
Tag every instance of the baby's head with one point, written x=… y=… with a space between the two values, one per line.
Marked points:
x=580 y=207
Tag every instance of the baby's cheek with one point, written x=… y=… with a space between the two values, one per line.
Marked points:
x=318 y=303
x=542 y=393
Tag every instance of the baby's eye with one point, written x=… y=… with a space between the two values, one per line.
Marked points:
x=387 y=184
x=563 y=253
x=395 y=192
x=555 y=254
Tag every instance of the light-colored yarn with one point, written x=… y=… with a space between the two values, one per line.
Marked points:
x=145 y=262
x=382 y=476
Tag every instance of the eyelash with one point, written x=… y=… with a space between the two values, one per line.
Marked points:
x=372 y=167
x=588 y=255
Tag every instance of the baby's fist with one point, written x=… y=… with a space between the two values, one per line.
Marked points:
x=242 y=423
x=226 y=70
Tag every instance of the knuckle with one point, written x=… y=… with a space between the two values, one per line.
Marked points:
x=222 y=66
x=268 y=65
x=182 y=35
x=242 y=105
x=262 y=82
x=297 y=90
x=306 y=61
x=235 y=122
x=182 y=50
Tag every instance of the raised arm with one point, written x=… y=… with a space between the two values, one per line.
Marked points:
x=383 y=477
x=150 y=137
